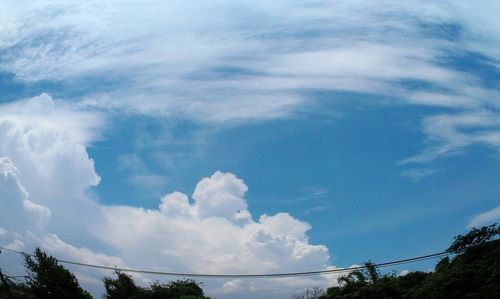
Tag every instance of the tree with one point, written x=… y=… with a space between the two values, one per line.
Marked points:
x=177 y=289
x=313 y=293
x=47 y=279
x=473 y=273
x=124 y=287
x=371 y=271
x=474 y=238
x=5 y=286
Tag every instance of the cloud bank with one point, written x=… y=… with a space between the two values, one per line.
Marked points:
x=45 y=172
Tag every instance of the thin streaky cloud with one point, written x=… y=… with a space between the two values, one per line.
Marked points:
x=485 y=218
x=245 y=61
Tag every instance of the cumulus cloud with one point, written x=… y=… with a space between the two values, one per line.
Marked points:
x=41 y=213
x=53 y=244
x=24 y=223
x=46 y=140
x=220 y=196
x=232 y=285
x=215 y=233
x=265 y=288
x=176 y=203
x=485 y=218
x=43 y=139
x=17 y=212
x=211 y=232
x=197 y=236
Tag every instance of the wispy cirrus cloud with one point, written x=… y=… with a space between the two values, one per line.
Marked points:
x=452 y=133
x=485 y=218
x=419 y=174
x=253 y=60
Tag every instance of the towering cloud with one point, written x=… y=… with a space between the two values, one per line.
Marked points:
x=213 y=232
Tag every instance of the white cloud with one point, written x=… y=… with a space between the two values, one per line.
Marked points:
x=266 y=288
x=43 y=138
x=199 y=236
x=42 y=213
x=482 y=26
x=403 y=273
x=53 y=244
x=213 y=232
x=419 y=174
x=232 y=285
x=140 y=177
x=17 y=212
x=451 y=133
x=46 y=140
x=24 y=224
x=176 y=58
x=174 y=204
x=283 y=223
x=43 y=112
x=333 y=277
x=486 y=218
x=196 y=237
x=220 y=196
x=251 y=60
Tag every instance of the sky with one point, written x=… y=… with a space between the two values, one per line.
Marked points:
x=246 y=136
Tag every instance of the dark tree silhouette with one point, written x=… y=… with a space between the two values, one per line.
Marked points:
x=473 y=273
x=47 y=279
x=474 y=237
x=124 y=287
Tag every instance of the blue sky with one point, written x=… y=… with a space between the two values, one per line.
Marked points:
x=304 y=135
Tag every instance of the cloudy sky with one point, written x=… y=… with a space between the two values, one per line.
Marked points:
x=246 y=136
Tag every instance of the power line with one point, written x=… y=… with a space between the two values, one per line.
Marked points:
x=269 y=275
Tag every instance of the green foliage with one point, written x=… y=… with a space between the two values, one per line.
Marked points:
x=371 y=271
x=473 y=273
x=47 y=279
x=474 y=238
x=6 y=286
x=313 y=293
x=124 y=287
x=9 y=289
